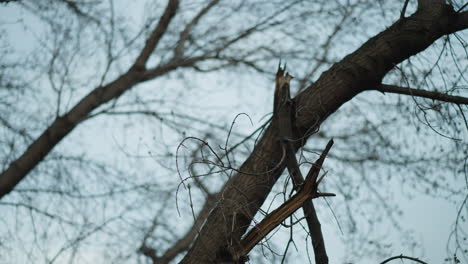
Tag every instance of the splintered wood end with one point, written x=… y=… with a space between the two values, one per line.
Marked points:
x=282 y=76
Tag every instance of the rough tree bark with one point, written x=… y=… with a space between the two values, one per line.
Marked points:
x=284 y=116
x=245 y=192
x=362 y=70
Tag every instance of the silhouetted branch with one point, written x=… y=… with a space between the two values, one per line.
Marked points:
x=63 y=125
x=403 y=10
x=361 y=70
x=273 y=219
x=403 y=257
x=7 y=1
x=284 y=112
x=422 y=93
x=184 y=35
x=156 y=35
x=183 y=244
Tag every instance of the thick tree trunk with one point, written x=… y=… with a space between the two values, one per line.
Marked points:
x=362 y=70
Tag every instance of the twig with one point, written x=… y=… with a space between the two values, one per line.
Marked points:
x=403 y=257
x=403 y=10
x=423 y=93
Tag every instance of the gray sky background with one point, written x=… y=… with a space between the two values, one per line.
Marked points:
x=429 y=219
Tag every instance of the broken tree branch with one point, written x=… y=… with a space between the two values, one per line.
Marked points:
x=284 y=113
x=361 y=70
x=273 y=219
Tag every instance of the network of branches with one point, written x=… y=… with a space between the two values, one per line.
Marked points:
x=158 y=132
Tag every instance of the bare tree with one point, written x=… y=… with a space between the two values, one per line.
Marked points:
x=90 y=63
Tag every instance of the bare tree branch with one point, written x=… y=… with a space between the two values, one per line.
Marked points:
x=63 y=125
x=273 y=219
x=422 y=93
x=461 y=21
x=7 y=1
x=422 y=4
x=183 y=244
x=184 y=35
x=209 y=47
x=361 y=70
x=403 y=10
x=156 y=35
x=403 y=257
x=284 y=113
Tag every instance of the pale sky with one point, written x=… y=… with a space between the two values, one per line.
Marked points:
x=430 y=219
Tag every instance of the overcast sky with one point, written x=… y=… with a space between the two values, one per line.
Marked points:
x=430 y=219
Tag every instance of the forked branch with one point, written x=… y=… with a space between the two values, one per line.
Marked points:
x=307 y=191
x=157 y=34
x=284 y=113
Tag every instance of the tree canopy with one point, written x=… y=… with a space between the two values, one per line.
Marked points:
x=158 y=132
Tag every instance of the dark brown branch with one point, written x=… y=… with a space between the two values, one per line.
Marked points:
x=63 y=125
x=403 y=10
x=183 y=243
x=461 y=21
x=170 y=66
x=325 y=50
x=422 y=93
x=156 y=35
x=284 y=113
x=149 y=252
x=73 y=6
x=273 y=219
x=422 y=4
x=184 y=35
x=361 y=70
x=403 y=257
x=7 y=1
